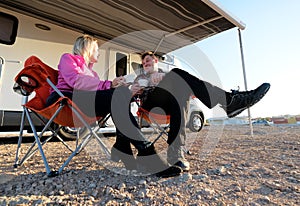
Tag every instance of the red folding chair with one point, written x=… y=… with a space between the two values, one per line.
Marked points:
x=158 y=122
x=37 y=77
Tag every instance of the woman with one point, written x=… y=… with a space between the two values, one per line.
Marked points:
x=171 y=93
x=95 y=97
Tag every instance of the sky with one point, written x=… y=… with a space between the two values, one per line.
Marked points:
x=271 y=47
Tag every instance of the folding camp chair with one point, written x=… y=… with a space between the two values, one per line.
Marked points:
x=39 y=78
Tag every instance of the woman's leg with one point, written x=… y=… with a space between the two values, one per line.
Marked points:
x=99 y=103
x=177 y=109
x=169 y=105
x=124 y=120
x=147 y=158
x=53 y=97
x=121 y=150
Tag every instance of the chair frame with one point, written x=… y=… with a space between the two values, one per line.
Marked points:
x=37 y=145
x=160 y=129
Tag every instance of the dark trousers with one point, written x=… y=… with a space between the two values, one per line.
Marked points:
x=114 y=101
x=169 y=104
x=172 y=96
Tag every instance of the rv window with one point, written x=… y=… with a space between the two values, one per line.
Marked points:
x=121 y=64
x=9 y=27
x=168 y=59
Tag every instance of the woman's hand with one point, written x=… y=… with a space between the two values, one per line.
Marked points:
x=118 y=81
x=156 y=77
x=136 y=89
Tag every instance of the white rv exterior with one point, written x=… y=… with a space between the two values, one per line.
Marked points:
x=48 y=29
x=48 y=45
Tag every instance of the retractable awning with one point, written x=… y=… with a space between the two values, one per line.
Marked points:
x=159 y=25
x=165 y=25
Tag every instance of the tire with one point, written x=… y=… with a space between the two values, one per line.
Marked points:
x=196 y=122
x=68 y=133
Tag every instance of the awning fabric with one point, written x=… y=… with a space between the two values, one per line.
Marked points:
x=164 y=25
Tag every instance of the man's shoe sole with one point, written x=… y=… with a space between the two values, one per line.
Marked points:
x=172 y=171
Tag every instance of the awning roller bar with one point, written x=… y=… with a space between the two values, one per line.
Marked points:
x=234 y=20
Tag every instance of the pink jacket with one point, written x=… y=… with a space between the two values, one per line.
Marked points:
x=73 y=74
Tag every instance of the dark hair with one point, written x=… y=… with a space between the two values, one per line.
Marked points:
x=150 y=53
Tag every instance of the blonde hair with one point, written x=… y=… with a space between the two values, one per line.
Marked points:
x=83 y=46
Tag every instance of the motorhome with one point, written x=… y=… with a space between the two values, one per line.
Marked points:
x=48 y=29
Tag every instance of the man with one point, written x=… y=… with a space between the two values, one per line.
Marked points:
x=171 y=92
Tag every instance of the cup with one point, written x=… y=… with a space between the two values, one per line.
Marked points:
x=129 y=78
x=143 y=82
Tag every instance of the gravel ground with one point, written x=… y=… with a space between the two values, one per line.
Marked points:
x=228 y=167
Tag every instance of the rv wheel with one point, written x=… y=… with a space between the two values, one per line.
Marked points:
x=196 y=122
x=68 y=133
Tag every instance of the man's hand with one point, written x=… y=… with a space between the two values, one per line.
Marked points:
x=136 y=89
x=156 y=77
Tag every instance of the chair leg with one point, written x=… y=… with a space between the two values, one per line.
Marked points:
x=54 y=132
x=16 y=164
x=103 y=146
x=31 y=151
x=38 y=142
x=85 y=141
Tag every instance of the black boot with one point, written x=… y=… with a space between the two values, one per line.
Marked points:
x=175 y=156
x=128 y=159
x=238 y=101
x=121 y=151
x=150 y=162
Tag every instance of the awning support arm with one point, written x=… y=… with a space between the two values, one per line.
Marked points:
x=185 y=29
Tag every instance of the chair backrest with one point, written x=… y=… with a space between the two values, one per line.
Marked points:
x=33 y=77
x=150 y=116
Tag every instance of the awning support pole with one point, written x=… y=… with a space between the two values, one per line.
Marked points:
x=245 y=79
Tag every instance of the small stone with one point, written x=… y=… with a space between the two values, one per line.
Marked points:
x=92 y=185
x=142 y=182
x=265 y=199
x=122 y=187
x=185 y=177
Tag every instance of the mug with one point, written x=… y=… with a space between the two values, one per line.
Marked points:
x=143 y=82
